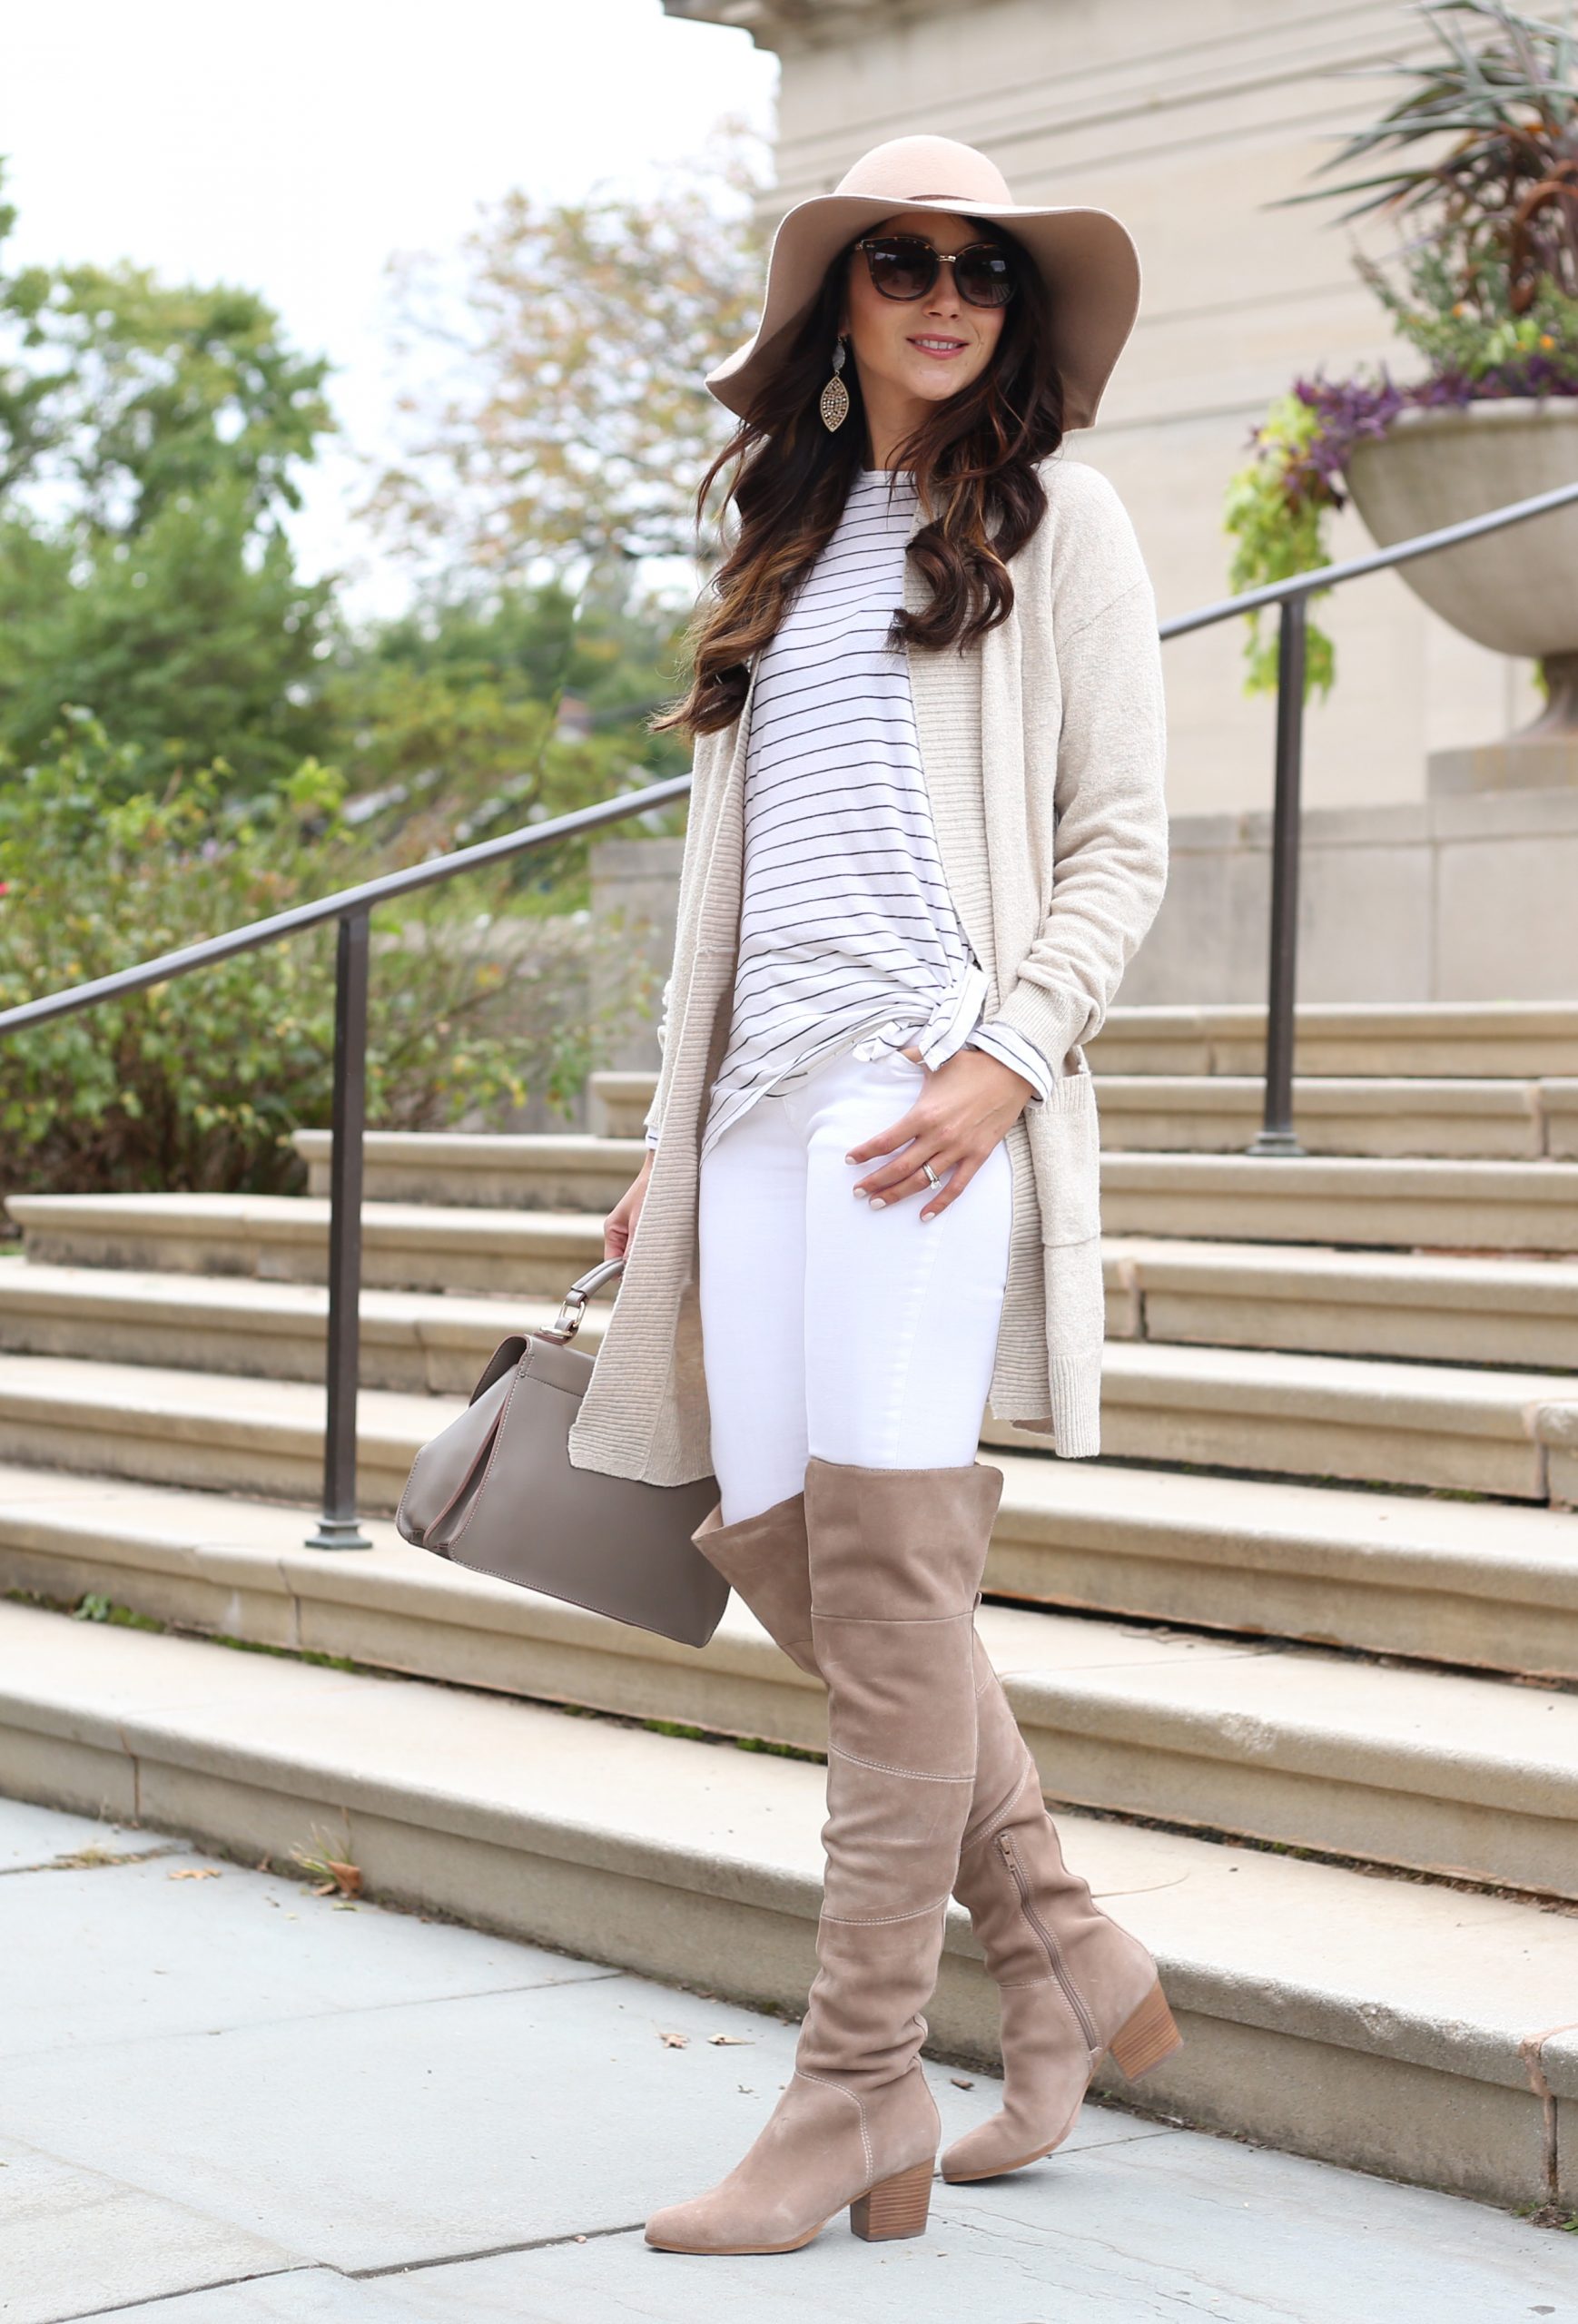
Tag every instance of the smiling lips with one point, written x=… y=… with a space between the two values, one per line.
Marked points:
x=939 y=347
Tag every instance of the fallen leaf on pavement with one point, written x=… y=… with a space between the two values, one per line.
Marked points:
x=195 y=1872
x=346 y=1881
x=334 y=1876
x=674 y=2041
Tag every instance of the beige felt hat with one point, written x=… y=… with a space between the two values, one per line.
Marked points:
x=1087 y=256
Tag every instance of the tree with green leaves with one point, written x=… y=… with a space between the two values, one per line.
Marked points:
x=564 y=423
x=467 y=718
x=151 y=438
x=557 y=429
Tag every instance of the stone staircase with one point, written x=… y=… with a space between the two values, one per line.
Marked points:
x=1298 y=1655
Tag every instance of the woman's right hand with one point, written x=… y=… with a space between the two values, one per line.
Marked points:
x=621 y=1224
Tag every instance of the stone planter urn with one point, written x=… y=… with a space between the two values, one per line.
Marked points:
x=1516 y=591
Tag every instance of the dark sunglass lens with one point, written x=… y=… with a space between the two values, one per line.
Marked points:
x=902 y=269
x=985 y=277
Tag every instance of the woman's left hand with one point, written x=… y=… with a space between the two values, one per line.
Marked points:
x=967 y=1107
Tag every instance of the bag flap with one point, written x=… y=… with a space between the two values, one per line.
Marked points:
x=444 y=1469
x=504 y=1358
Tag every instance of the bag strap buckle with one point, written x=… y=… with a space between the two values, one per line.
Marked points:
x=572 y=1305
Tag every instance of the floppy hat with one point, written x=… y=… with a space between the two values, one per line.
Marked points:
x=1086 y=258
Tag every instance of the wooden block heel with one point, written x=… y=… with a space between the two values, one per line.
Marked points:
x=1149 y=2036
x=895 y=2207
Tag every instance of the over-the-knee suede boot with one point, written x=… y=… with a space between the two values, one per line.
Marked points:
x=895 y=1558
x=1073 y=1984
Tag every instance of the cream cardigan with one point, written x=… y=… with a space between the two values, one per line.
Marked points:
x=1043 y=747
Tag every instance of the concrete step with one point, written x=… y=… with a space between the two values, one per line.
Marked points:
x=1418 y=1306
x=1427 y=1307
x=1432 y=1427
x=1524 y=1041
x=1483 y=1585
x=1474 y=1777
x=282 y=1239
x=1383 y=1118
x=508 y=1171
x=1139 y=1113
x=1495 y=1207
x=418 y=1342
x=1395 y=2025
x=1505 y=1120
x=1496 y=1039
x=1510 y=1207
x=209 y=1430
x=1437 y=1426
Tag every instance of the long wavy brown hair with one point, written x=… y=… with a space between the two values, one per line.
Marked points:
x=973 y=458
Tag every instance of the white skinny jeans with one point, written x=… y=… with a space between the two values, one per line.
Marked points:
x=828 y=1328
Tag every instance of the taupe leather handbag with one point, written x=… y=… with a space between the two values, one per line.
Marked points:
x=496 y=1491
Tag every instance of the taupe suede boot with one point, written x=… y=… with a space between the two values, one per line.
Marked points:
x=1074 y=1985
x=895 y=1558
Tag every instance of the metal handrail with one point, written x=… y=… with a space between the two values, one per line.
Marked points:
x=344 y=904
x=351 y=907
x=1378 y=560
x=1276 y=1135
x=337 y=1527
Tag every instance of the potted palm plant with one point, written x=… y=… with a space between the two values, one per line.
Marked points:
x=1489 y=298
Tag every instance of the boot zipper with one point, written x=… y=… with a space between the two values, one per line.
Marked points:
x=1053 y=1950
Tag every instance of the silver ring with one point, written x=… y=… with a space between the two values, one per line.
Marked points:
x=933 y=1179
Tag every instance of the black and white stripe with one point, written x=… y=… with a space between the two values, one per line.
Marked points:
x=848 y=935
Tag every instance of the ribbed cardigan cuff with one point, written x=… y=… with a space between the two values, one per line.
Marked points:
x=1074 y=1422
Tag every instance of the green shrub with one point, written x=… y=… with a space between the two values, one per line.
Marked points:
x=197 y=1084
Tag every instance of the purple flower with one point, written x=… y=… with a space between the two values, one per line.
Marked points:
x=1351 y=411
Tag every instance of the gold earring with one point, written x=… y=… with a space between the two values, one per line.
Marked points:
x=835 y=404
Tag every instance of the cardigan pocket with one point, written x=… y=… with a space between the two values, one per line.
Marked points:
x=1065 y=1138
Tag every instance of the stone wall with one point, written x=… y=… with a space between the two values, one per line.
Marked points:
x=1447 y=899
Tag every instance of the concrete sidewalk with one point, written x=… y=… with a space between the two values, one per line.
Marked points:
x=223 y=2099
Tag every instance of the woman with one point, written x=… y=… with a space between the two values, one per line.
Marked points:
x=926 y=833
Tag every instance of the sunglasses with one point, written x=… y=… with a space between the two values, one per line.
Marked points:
x=905 y=266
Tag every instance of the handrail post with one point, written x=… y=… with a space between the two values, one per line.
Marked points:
x=1276 y=1135
x=338 y=1527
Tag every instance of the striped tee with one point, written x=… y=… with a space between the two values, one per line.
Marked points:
x=848 y=936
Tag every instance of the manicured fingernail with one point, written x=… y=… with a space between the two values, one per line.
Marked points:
x=877 y=1203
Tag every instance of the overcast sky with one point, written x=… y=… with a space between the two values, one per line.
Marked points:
x=291 y=148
